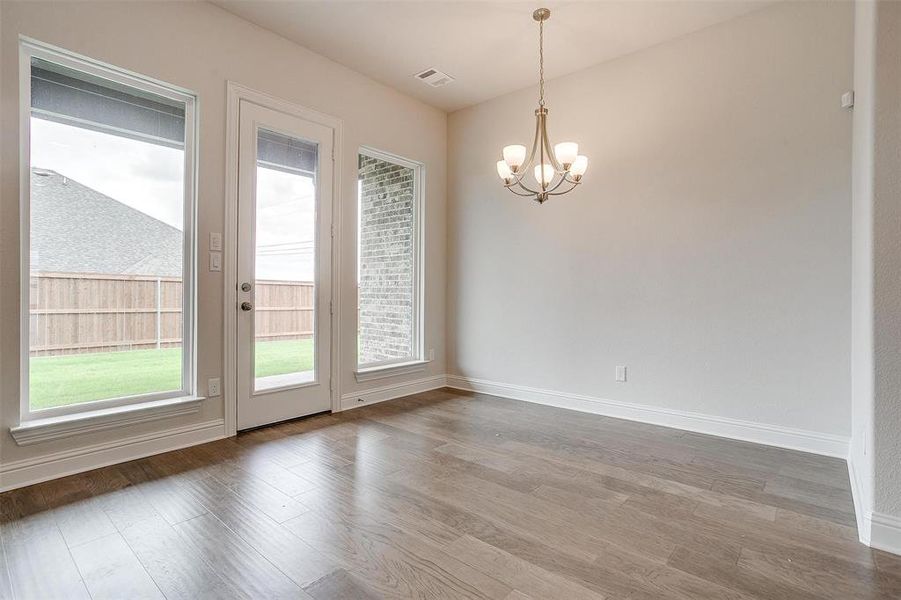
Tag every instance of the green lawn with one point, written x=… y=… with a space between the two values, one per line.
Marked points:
x=62 y=380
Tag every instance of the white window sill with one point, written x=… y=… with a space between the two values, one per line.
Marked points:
x=54 y=428
x=383 y=372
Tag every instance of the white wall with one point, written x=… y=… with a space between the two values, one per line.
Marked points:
x=886 y=267
x=875 y=456
x=709 y=249
x=199 y=47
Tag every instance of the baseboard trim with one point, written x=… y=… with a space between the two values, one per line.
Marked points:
x=749 y=431
x=863 y=516
x=885 y=533
x=20 y=473
x=877 y=530
x=390 y=392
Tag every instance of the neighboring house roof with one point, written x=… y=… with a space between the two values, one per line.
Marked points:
x=76 y=229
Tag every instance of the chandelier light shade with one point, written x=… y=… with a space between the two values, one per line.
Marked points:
x=557 y=169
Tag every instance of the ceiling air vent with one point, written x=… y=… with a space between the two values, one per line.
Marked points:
x=434 y=77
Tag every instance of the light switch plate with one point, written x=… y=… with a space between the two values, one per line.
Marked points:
x=215 y=261
x=212 y=387
x=848 y=99
x=621 y=374
x=216 y=241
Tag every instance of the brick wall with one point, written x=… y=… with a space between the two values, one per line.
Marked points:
x=386 y=260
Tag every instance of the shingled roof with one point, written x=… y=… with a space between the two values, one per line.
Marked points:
x=76 y=229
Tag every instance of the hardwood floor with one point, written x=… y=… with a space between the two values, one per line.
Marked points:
x=448 y=495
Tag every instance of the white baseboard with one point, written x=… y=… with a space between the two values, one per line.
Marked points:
x=877 y=530
x=861 y=512
x=390 y=392
x=51 y=466
x=749 y=431
x=885 y=533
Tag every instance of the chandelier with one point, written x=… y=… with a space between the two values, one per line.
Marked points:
x=557 y=172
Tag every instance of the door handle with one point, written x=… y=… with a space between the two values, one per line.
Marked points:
x=245 y=306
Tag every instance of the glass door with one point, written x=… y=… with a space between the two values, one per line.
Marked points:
x=284 y=205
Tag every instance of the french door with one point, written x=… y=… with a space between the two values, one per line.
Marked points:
x=283 y=265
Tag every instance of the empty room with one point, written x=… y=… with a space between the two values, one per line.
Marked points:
x=348 y=300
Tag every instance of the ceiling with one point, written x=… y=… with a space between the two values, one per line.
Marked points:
x=490 y=48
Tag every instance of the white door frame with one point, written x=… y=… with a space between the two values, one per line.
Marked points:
x=237 y=93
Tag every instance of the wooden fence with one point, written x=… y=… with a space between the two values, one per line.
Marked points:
x=74 y=313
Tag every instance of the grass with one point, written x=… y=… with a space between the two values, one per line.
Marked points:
x=73 y=378
x=278 y=358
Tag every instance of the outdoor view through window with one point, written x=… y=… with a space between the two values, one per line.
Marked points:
x=107 y=261
x=285 y=258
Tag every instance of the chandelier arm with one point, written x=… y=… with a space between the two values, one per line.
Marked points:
x=539 y=138
x=529 y=192
x=572 y=186
x=526 y=188
x=529 y=195
x=564 y=172
x=517 y=178
x=528 y=163
x=526 y=166
x=558 y=184
x=547 y=144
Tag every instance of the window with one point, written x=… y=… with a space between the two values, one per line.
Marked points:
x=284 y=270
x=107 y=221
x=389 y=277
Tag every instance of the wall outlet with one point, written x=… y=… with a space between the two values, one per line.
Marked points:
x=212 y=387
x=215 y=241
x=621 y=374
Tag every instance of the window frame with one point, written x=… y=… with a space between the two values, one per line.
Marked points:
x=28 y=49
x=419 y=173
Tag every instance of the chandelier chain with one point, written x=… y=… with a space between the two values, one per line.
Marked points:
x=541 y=63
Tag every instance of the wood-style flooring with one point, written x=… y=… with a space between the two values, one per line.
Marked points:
x=448 y=495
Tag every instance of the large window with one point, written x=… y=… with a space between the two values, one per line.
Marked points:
x=107 y=217
x=389 y=281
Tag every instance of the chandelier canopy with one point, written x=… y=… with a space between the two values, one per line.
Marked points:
x=557 y=172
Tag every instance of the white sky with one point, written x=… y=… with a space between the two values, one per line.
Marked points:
x=149 y=178
x=285 y=226
x=146 y=177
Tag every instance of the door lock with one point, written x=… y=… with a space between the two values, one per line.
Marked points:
x=245 y=306
x=245 y=287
